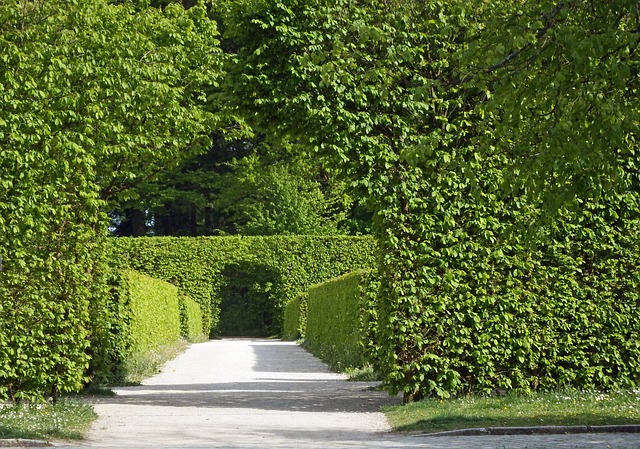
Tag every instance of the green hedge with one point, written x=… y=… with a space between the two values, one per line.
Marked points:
x=191 y=325
x=155 y=312
x=253 y=275
x=337 y=320
x=141 y=316
x=482 y=316
x=295 y=318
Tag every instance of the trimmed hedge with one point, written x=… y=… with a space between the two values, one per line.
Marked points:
x=337 y=320
x=257 y=275
x=295 y=318
x=141 y=316
x=155 y=312
x=191 y=325
x=486 y=316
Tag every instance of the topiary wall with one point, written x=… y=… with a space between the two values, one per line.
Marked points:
x=337 y=320
x=140 y=316
x=243 y=279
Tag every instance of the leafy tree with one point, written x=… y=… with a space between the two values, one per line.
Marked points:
x=563 y=81
x=243 y=186
x=282 y=197
x=397 y=95
x=94 y=98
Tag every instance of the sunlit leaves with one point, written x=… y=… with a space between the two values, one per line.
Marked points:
x=93 y=99
x=430 y=109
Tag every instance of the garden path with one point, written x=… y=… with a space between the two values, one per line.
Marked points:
x=249 y=394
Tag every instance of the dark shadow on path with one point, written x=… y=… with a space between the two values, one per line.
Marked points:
x=272 y=395
x=284 y=378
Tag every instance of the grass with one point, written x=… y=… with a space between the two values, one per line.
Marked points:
x=362 y=374
x=513 y=410
x=65 y=420
x=140 y=366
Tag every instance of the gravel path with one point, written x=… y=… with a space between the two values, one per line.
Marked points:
x=246 y=393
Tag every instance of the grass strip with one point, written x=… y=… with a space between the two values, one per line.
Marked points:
x=567 y=408
x=64 y=420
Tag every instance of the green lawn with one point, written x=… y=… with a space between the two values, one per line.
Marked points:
x=539 y=409
x=65 y=420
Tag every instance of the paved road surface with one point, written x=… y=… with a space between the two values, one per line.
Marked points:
x=244 y=393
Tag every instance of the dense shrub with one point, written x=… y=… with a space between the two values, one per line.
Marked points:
x=225 y=274
x=141 y=316
x=295 y=318
x=191 y=326
x=337 y=329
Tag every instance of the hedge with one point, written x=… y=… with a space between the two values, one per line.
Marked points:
x=191 y=325
x=256 y=275
x=155 y=312
x=295 y=318
x=559 y=310
x=141 y=316
x=337 y=321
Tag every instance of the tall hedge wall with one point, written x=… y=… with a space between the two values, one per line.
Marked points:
x=486 y=315
x=256 y=274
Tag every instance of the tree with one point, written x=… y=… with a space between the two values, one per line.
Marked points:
x=563 y=81
x=242 y=186
x=94 y=99
x=280 y=197
x=398 y=96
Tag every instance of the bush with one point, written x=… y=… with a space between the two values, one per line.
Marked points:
x=141 y=318
x=243 y=279
x=191 y=326
x=337 y=316
x=295 y=318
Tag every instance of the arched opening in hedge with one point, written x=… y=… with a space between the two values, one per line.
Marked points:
x=250 y=304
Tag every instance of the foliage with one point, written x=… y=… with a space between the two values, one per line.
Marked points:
x=65 y=420
x=242 y=186
x=49 y=210
x=191 y=325
x=563 y=408
x=294 y=323
x=280 y=198
x=93 y=99
x=367 y=85
x=394 y=94
x=270 y=270
x=563 y=78
x=336 y=321
x=154 y=312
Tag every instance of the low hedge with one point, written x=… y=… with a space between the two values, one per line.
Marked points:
x=337 y=328
x=257 y=275
x=140 y=316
